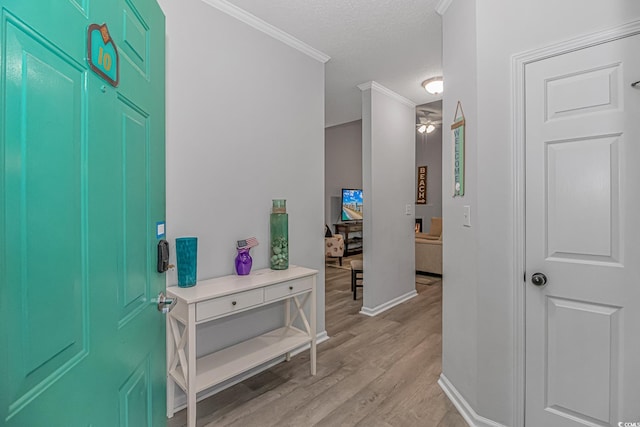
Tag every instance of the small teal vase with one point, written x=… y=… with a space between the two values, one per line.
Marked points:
x=187 y=257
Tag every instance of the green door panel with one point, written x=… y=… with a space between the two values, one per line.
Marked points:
x=82 y=179
x=44 y=102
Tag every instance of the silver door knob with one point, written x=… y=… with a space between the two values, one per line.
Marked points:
x=165 y=304
x=539 y=279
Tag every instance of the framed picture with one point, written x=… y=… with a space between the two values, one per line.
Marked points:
x=421 y=198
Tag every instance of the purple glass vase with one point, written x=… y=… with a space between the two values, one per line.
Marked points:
x=243 y=262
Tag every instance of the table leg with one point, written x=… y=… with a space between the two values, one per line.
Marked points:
x=314 y=334
x=287 y=322
x=171 y=385
x=191 y=373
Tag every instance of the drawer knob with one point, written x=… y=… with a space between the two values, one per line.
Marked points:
x=290 y=288
x=233 y=303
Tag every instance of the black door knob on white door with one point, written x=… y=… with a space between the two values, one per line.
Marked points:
x=539 y=279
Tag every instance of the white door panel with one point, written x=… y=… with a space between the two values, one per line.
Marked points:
x=582 y=198
x=582 y=178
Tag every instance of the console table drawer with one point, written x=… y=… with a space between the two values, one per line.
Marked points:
x=223 y=305
x=287 y=288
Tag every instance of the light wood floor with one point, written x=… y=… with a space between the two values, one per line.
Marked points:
x=373 y=371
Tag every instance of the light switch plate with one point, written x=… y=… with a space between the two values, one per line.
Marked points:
x=467 y=216
x=407 y=209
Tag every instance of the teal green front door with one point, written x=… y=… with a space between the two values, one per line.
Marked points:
x=82 y=189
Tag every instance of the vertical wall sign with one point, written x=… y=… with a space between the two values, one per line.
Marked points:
x=458 y=151
x=421 y=198
x=102 y=54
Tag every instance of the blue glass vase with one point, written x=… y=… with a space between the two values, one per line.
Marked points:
x=187 y=257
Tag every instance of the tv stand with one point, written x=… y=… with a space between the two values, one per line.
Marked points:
x=352 y=234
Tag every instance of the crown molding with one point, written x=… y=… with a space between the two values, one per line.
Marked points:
x=365 y=86
x=391 y=94
x=260 y=25
x=442 y=6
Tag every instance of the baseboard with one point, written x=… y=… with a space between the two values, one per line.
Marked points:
x=320 y=338
x=387 y=305
x=467 y=412
x=181 y=399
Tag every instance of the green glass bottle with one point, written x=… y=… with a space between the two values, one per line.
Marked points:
x=279 y=228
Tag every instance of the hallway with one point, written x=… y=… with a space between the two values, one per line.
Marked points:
x=374 y=371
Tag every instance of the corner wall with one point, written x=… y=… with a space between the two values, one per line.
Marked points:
x=245 y=124
x=460 y=251
x=388 y=169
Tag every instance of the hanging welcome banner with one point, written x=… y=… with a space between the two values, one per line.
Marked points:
x=102 y=54
x=457 y=129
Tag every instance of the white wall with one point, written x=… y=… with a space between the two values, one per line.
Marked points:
x=459 y=329
x=342 y=165
x=429 y=153
x=245 y=124
x=480 y=38
x=388 y=166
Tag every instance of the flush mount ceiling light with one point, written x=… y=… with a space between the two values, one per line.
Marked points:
x=434 y=85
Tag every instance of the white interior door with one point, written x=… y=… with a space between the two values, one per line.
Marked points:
x=582 y=200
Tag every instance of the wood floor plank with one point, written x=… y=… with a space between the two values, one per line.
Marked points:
x=373 y=371
x=396 y=380
x=314 y=410
x=266 y=407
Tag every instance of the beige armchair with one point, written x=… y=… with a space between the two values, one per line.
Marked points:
x=429 y=248
x=334 y=247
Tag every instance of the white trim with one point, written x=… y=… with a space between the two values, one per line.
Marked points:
x=387 y=305
x=386 y=91
x=265 y=27
x=467 y=412
x=366 y=86
x=518 y=171
x=442 y=6
x=519 y=62
x=181 y=399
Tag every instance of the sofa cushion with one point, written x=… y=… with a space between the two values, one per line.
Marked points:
x=436 y=226
x=426 y=236
x=429 y=256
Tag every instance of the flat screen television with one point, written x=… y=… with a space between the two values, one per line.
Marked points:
x=351 y=204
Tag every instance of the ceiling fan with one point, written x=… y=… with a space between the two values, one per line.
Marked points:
x=427 y=119
x=426 y=125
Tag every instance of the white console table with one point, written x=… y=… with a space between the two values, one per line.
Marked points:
x=216 y=298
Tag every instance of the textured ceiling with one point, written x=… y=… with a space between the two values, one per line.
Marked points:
x=397 y=43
